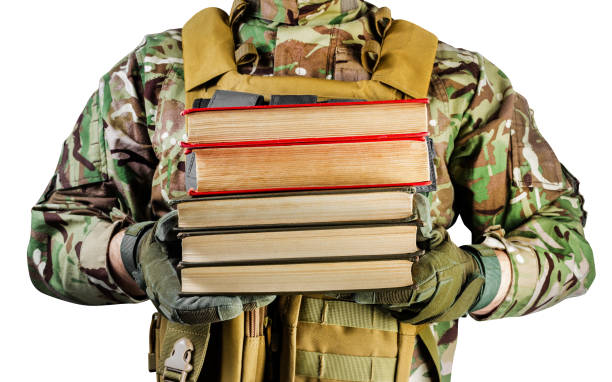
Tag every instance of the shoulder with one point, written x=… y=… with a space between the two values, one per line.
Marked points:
x=457 y=66
x=163 y=44
x=466 y=78
x=158 y=52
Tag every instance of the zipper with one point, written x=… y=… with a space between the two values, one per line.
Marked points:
x=255 y=322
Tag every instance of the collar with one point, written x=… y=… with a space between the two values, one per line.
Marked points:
x=406 y=60
x=305 y=12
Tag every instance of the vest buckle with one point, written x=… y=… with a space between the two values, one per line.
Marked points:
x=178 y=365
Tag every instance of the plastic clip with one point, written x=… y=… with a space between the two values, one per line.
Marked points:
x=179 y=361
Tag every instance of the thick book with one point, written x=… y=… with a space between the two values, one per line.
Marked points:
x=299 y=244
x=296 y=278
x=328 y=207
x=386 y=162
x=214 y=126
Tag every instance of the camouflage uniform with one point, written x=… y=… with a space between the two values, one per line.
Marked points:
x=121 y=164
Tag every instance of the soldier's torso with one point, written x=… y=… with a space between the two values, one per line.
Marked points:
x=292 y=55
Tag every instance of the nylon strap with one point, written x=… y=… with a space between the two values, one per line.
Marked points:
x=321 y=366
x=197 y=334
x=129 y=247
x=247 y=54
x=253 y=359
x=370 y=55
x=405 y=348
x=382 y=21
x=232 y=337
x=153 y=343
x=289 y=307
x=426 y=335
x=239 y=7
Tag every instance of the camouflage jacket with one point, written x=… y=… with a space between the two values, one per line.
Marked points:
x=121 y=162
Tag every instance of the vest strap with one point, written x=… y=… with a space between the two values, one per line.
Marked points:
x=382 y=21
x=232 y=335
x=191 y=340
x=239 y=7
x=247 y=54
x=290 y=312
x=153 y=343
x=405 y=348
x=370 y=55
x=429 y=340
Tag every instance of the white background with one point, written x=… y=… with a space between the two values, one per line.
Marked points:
x=52 y=54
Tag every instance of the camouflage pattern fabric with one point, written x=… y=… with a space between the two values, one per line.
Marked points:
x=321 y=39
x=121 y=164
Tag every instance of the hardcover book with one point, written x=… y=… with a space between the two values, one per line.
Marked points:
x=304 y=208
x=216 y=125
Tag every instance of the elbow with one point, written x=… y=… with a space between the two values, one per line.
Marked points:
x=38 y=268
x=585 y=272
x=591 y=272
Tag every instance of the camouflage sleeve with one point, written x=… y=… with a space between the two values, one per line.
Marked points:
x=513 y=193
x=102 y=182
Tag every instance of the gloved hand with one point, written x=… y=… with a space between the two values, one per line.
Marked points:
x=447 y=283
x=150 y=252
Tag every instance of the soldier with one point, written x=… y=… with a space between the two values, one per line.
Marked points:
x=98 y=237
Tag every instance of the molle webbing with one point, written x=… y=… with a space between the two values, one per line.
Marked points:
x=323 y=341
x=338 y=340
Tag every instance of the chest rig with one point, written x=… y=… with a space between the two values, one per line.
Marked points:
x=297 y=338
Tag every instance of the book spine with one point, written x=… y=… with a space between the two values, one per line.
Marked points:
x=192 y=191
x=285 y=228
x=360 y=103
x=191 y=178
x=312 y=260
x=327 y=224
x=420 y=137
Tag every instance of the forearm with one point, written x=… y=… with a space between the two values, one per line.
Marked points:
x=67 y=257
x=546 y=268
x=117 y=268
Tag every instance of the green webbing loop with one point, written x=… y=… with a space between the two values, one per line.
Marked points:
x=344 y=313
x=344 y=341
x=345 y=368
x=247 y=54
x=239 y=7
x=198 y=335
x=429 y=340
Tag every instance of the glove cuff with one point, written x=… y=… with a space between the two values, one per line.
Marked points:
x=490 y=269
x=129 y=248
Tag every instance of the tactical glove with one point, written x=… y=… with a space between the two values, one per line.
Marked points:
x=150 y=252
x=448 y=283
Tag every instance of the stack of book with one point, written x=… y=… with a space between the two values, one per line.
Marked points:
x=302 y=198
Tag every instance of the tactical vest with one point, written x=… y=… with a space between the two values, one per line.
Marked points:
x=297 y=338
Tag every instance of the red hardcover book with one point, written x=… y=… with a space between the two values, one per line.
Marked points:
x=307 y=147
x=299 y=123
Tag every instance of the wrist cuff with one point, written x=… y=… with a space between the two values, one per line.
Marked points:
x=490 y=269
x=129 y=247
